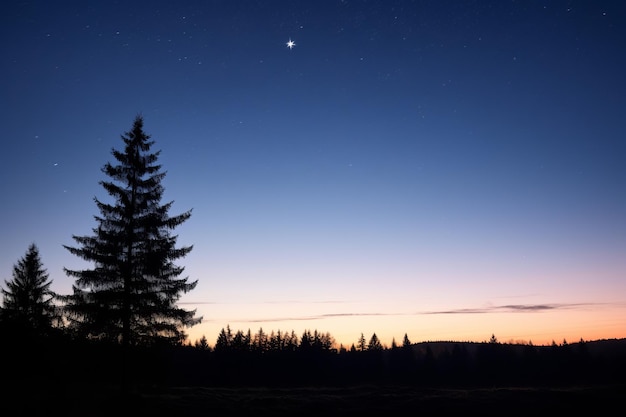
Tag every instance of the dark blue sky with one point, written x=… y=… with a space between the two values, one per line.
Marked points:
x=404 y=157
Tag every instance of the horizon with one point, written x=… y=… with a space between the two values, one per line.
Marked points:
x=415 y=335
x=441 y=169
x=398 y=341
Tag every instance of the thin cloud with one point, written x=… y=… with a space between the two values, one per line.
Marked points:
x=263 y=302
x=359 y=314
x=317 y=317
x=532 y=307
x=512 y=308
x=277 y=319
x=508 y=308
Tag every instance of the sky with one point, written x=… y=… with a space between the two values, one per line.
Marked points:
x=448 y=170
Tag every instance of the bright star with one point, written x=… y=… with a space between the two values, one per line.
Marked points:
x=291 y=44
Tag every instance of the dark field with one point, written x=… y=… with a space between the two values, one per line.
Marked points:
x=323 y=401
x=424 y=379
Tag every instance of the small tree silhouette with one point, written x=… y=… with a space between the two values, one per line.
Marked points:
x=224 y=340
x=374 y=343
x=406 y=343
x=28 y=301
x=203 y=344
x=361 y=344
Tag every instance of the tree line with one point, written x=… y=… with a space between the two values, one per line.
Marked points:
x=227 y=340
x=284 y=359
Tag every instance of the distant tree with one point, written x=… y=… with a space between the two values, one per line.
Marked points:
x=362 y=344
x=394 y=345
x=326 y=341
x=306 y=341
x=280 y=341
x=28 y=301
x=224 y=340
x=291 y=341
x=317 y=341
x=242 y=342
x=203 y=344
x=239 y=343
x=493 y=339
x=406 y=343
x=248 y=339
x=130 y=294
x=275 y=341
x=374 y=343
x=260 y=342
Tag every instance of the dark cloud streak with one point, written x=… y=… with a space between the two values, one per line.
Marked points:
x=513 y=308
x=509 y=308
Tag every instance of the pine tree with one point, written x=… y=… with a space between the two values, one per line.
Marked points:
x=260 y=341
x=374 y=343
x=28 y=302
x=361 y=345
x=241 y=341
x=202 y=344
x=130 y=294
x=306 y=341
x=224 y=340
x=406 y=343
x=291 y=341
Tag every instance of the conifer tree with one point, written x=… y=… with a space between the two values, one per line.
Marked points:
x=202 y=344
x=306 y=341
x=361 y=344
x=241 y=341
x=130 y=294
x=374 y=343
x=406 y=343
x=260 y=341
x=224 y=340
x=28 y=302
x=291 y=341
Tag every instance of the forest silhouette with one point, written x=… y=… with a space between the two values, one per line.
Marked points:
x=289 y=374
x=118 y=341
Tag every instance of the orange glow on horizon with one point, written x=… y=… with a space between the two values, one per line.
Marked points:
x=538 y=328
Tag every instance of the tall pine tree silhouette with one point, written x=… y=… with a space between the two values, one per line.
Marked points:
x=130 y=294
x=28 y=301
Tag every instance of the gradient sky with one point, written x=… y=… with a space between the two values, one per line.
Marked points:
x=445 y=169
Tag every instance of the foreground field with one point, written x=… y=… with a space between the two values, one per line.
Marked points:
x=322 y=401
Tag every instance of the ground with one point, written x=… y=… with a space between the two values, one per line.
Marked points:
x=319 y=401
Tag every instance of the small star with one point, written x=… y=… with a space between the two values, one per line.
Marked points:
x=291 y=44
